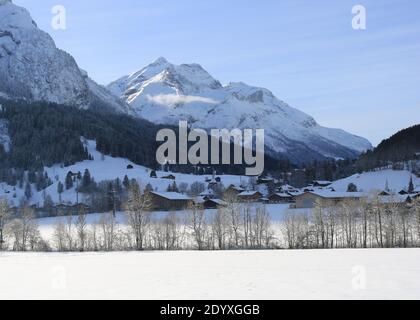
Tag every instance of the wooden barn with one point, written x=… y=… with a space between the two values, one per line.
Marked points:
x=167 y=201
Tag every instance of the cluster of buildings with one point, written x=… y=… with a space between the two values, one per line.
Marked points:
x=299 y=198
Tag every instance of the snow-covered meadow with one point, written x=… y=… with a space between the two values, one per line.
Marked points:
x=284 y=274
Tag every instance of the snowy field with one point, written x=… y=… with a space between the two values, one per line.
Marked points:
x=321 y=274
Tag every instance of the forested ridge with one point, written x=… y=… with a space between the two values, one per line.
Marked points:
x=44 y=134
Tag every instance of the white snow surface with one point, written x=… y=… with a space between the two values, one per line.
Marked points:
x=166 y=93
x=377 y=180
x=283 y=274
x=105 y=168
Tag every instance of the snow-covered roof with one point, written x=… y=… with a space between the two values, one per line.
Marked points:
x=218 y=201
x=335 y=195
x=323 y=182
x=172 y=195
x=208 y=192
x=248 y=193
x=236 y=188
x=393 y=199
x=283 y=194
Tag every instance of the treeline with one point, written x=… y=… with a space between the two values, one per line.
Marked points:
x=364 y=224
x=400 y=147
x=236 y=226
x=44 y=134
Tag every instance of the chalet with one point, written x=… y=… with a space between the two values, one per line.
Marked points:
x=233 y=191
x=384 y=193
x=208 y=194
x=280 y=198
x=288 y=188
x=321 y=183
x=213 y=204
x=250 y=196
x=72 y=209
x=169 y=177
x=403 y=192
x=265 y=180
x=327 y=198
x=170 y=201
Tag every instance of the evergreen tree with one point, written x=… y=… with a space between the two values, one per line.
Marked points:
x=148 y=188
x=351 y=187
x=411 y=185
x=60 y=187
x=126 y=182
x=87 y=179
x=69 y=181
x=28 y=191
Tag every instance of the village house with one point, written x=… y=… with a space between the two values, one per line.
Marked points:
x=169 y=177
x=327 y=198
x=208 y=194
x=281 y=198
x=214 y=204
x=250 y=196
x=321 y=183
x=233 y=191
x=167 y=201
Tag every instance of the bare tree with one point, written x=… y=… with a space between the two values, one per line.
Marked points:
x=81 y=229
x=220 y=228
x=5 y=215
x=108 y=226
x=59 y=236
x=138 y=208
x=198 y=225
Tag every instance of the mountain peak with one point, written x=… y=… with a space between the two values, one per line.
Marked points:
x=166 y=93
x=34 y=69
x=160 y=60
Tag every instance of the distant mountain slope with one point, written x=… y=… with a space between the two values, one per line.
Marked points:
x=166 y=93
x=34 y=69
x=400 y=147
x=396 y=180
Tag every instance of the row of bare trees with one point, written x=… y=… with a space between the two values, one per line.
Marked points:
x=351 y=224
x=364 y=224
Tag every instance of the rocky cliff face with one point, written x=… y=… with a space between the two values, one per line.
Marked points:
x=33 y=68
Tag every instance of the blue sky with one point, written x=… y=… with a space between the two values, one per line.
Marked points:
x=306 y=52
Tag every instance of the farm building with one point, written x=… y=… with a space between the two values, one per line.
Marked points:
x=320 y=183
x=281 y=198
x=213 y=204
x=170 y=201
x=327 y=198
x=233 y=191
x=250 y=196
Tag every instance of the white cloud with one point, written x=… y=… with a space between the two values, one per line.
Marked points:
x=174 y=99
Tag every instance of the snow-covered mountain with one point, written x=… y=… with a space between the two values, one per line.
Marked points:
x=166 y=93
x=34 y=69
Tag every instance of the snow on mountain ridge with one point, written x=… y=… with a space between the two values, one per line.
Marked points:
x=165 y=93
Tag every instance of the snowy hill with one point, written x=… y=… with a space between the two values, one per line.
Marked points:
x=166 y=93
x=397 y=180
x=34 y=69
x=103 y=168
